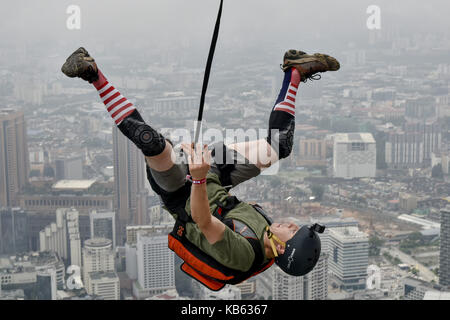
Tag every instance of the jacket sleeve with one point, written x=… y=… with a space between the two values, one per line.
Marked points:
x=233 y=251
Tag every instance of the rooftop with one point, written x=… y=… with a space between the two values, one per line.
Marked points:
x=426 y=224
x=103 y=275
x=97 y=242
x=62 y=185
x=26 y=262
x=436 y=295
x=347 y=234
x=354 y=137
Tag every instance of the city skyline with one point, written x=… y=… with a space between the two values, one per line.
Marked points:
x=371 y=156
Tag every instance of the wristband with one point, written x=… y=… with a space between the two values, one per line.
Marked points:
x=194 y=181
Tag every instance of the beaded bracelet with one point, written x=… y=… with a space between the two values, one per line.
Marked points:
x=194 y=181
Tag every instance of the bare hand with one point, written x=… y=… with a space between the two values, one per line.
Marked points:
x=199 y=160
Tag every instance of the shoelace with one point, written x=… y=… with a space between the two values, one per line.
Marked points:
x=310 y=78
x=314 y=77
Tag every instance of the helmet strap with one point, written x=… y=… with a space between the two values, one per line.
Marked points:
x=272 y=237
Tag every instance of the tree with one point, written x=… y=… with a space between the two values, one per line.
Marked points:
x=275 y=182
x=35 y=173
x=49 y=172
x=375 y=245
x=318 y=191
x=437 y=172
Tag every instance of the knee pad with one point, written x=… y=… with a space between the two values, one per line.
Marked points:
x=283 y=140
x=142 y=135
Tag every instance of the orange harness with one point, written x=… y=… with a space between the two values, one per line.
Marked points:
x=203 y=267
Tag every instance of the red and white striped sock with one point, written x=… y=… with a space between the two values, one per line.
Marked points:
x=288 y=92
x=117 y=105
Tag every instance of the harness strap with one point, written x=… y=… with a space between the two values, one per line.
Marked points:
x=225 y=161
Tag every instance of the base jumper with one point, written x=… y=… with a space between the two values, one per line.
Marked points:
x=221 y=239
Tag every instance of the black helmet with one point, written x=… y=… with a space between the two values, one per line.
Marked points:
x=302 y=251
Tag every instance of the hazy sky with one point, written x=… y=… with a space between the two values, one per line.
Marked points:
x=153 y=20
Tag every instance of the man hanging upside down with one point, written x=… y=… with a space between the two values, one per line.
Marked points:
x=222 y=240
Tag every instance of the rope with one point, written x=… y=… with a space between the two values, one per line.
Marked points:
x=208 y=71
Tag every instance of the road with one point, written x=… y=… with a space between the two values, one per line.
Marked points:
x=424 y=272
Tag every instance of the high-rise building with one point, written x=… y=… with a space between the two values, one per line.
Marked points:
x=103 y=225
x=14 y=164
x=130 y=175
x=248 y=288
x=354 y=155
x=69 y=168
x=63 y=236
x=444 y=254
x=22 y=271
x=312 y=286
x=412 y=145
x=349 y=257
x=312 y=152
x=105 y=284
x=46 y=284
x=421 y=108
x=286 y=287
x=333 y=223
x=99 y=275
x=155 y=263
x=131 y=247
x=316 y=281
x=415 y=289
x=13 y=231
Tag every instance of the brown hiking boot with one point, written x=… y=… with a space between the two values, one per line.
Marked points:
x=309 y=65
x=80 y=64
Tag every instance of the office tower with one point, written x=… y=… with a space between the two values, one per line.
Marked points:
x=63 y=236
x=99 y=276
x=82 y=201
x=333 y=223
x=248 y=288
x=69 y=168
x=131 y=248
x=155 y=263
x=349 y=257
x=73 y=238
x=316 y=281
x=354 y=155
x=312 y=152
x=286 y=287
x=412 y=145
x=105 y=284
x=420 y=108
x=444 y=254
x=174 y=103
x=22 y=271
x=13 y=231
x=415 y=289
x=430 y=132
x=14 y=164
x=46 y=284
x=130 y=175
x=103 y=225
x=132 y=232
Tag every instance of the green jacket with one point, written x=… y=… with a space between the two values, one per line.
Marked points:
x=233 y=251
